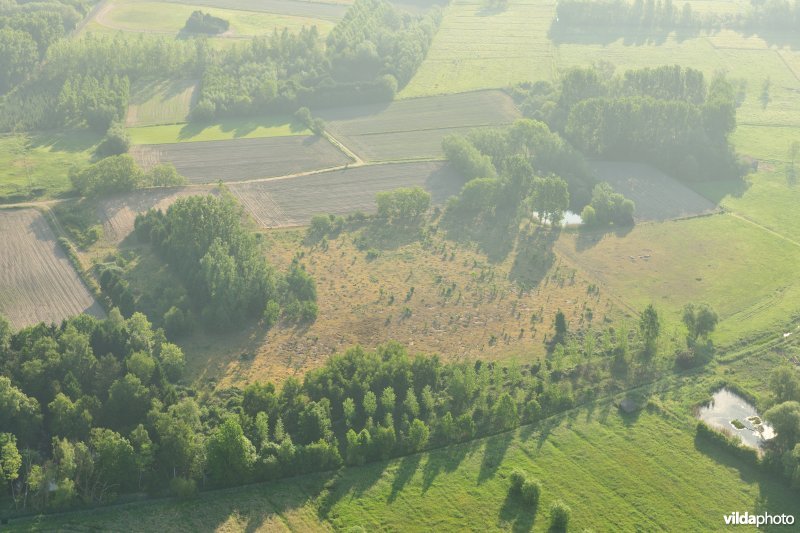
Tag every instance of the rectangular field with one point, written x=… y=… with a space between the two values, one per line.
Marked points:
x=161 y=102
x=225 y=129
x=414 y=128
x=37 y=281
x=657 y=196
x=333 y=11
x=293 y=201
x=242 y=159
x=118 y=213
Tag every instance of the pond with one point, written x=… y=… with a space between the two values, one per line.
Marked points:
x=729 y=411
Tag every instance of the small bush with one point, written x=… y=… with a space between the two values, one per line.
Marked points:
x=531 y=490
x=182 y=488
x=559 y=516
x=517 y=478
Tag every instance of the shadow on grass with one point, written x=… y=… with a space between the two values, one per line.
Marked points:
x=520 y=515
x=78 y=140
x=534 y=257
x=590 y=237
x=407 y=469
x=493 y=453
x=351 y=483
x=239 y=127
x=445 y=460
x=561 y=33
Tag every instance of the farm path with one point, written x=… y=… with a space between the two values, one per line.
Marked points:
x=765 y=228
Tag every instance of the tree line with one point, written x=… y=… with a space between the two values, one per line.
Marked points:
x=668 y=116
x=222 y=266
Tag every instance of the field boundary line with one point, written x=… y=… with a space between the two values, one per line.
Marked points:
x=788 y=66
x=765 y=228
x=357 y=161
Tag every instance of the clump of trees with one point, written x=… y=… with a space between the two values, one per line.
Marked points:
x=670 y=117
x=205 y=23
x=120 y=173
x=607 y=207
x=403 y=207
x=528 y=489
x=222 y=266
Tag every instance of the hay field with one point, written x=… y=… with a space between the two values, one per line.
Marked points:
x=292 y=202
x=37 y=281
x=241 y=159
x=161 y=102
x=332 y=11
x=414 y=128
x=222 y=130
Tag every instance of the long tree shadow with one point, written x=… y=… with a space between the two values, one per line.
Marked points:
x=406 y=470
x=534 y=257
x=352 y=482
x=493 y=453
x=521 y=515
x=495 y=237
x=445 y=460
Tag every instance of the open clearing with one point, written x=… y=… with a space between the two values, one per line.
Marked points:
x=170 y=18
x=118 y=213
x=230 y=128
x=40 y=163
x=651 y=476
x=332 y=11
x=462 y=306
x=413 y=129
x=292 y=202
x=37 y=281
x=657 y=196
x=161 y=102
x=241 y=159
x=748 y=275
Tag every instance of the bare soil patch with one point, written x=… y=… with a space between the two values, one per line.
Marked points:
x=242 y=159
x=293 y=201
x=37 y=281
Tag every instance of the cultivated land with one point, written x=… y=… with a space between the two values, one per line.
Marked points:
x=118 y=213
x=241 y=159
x=170 y=18
x=414 y=129
x=637 y=472
x=38 y=164
x=226 y=129
x=657 y=196
x=161 y=102
x=462 y=306
x=37 y=281
x=292 y=202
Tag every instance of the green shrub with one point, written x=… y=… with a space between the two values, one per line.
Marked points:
x=559 y=516
x=517 y=478
x=531 y=490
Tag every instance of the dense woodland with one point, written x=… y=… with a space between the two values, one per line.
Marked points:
x=222 y=266
x=374 y=50
x=670 y=117
x=95 y=408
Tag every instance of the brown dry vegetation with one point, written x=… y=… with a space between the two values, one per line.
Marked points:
x=461 y=307
x=414 y=128
x=241 y=159
x=37 y=281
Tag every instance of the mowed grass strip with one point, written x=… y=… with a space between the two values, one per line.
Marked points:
x=327 y=10
x=161 y=102
x=748 y=274
x=414 y=128
x=232 y=128
x=479 y=47
x=37 y=281
x=170 y=18
x=241 y=159
x=641 y=473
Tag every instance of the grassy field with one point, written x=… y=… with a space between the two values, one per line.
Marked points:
x=720 y=259
x=414 y=129
x=161 y=102
x=37 y=281
x=41 y=162
x=170 y=18
x=241 y=159
x=332 y=10
x=233 y=128
x=643 y=472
